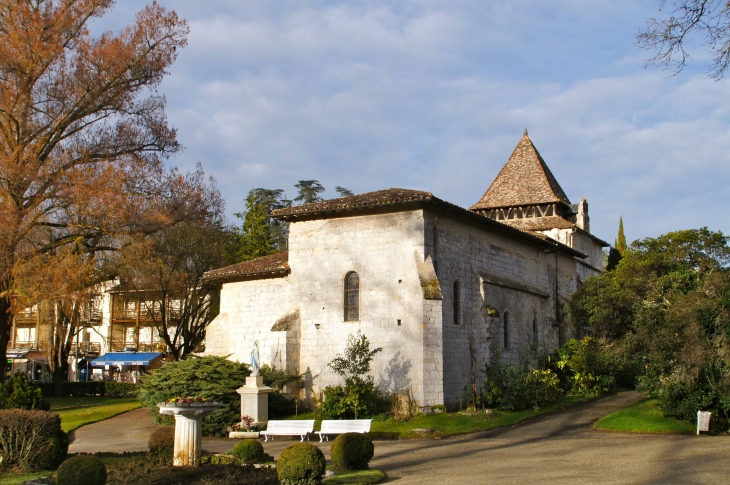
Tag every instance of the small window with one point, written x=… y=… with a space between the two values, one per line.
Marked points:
x=457 y=304
x=506 y=330
x=352 y=297
x=534 y=330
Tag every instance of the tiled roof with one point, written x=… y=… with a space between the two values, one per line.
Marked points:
x=369 y=199
x=524 y=180
x=273 y=263
x=402 y=198
x=539 y=223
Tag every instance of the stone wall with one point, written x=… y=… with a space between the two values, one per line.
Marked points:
x=383 y=250
x=249 y=309
x=496 y=276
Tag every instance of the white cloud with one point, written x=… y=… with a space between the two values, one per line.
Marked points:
x=434 y=95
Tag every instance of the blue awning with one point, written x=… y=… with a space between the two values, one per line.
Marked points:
x=125 y=358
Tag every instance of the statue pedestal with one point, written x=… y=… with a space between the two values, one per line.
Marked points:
x=255 y=399
x=188 y=429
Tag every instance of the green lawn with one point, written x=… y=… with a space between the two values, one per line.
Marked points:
x=644 y=417
x=11 y=479
x=455 y=423
x=78 y=411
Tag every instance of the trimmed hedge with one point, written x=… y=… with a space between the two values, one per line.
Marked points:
x=301 y=464
x=81 y=470
x=31 y=440
x=91 y=388
x=352 y=451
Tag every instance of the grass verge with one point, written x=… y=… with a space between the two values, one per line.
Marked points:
x=359 y=477
x=16 y=479
x=75 y=417
x=644 y=417
x=455 y=423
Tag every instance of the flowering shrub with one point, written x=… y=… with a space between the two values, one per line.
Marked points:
x=247 y=424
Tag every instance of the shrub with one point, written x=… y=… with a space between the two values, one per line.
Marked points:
x=120 y=389
x=683 y=400
x=31 y=440
x=211 y=377
x=162 y=445
x=357 y=399
x=515 y=387
x=19 y=393
x=81 y=470
x=281 y=406
x=248 y=451
x=352 y=451
x=300 y=463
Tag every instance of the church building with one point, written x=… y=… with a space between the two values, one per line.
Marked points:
x=439 y=287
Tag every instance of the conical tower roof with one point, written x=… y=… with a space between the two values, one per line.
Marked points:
x=524 y=180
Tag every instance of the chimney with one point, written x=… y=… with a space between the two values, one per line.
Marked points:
x=581 y=219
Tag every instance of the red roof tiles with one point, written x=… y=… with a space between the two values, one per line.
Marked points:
x=369 y=199
x=267 y=265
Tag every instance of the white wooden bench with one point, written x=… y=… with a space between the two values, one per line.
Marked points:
x=339 y=426
x=289 y=428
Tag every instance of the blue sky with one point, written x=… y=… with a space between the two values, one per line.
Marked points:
x=434 y=95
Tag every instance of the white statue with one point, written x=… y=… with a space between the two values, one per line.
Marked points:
x=255 y=359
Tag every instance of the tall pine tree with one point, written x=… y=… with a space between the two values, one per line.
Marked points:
x=619 y=247
x=620 y=241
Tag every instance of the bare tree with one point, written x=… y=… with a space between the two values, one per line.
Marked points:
x=167 y=266
x=82 y=131
x=685 y=20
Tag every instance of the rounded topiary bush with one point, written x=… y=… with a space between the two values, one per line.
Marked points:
x=352 y=451
x=248 y=451
x=81 y=470
x=300 y=463
x=162 y=445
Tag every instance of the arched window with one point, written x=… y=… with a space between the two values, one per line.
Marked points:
x=506 y=330
x=535 y=336
x=352 y=297
x=457 y=304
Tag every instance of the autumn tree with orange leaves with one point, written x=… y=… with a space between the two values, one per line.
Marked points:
x=82 y=137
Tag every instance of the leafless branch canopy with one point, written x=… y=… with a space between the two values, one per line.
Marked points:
x=668 y=37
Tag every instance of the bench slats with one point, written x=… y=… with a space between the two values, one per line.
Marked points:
x=289 y=428
x=338 y=426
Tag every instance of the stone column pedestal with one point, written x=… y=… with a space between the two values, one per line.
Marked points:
x=255 y=399
x=188 y=429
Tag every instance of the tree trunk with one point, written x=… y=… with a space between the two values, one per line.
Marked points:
x=6 y=325
x=58 y=379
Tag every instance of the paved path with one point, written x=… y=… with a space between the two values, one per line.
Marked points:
x=560 y=448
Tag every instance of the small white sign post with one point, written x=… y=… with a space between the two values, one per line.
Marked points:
x=703 y=421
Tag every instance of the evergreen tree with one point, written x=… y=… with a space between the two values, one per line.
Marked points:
x=343 y=191
x=255 y=238
x=309 y=191
x=620 y=242
x=614 y=256
x=270 y=200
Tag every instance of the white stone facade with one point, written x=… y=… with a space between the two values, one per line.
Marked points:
x=402 y=310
